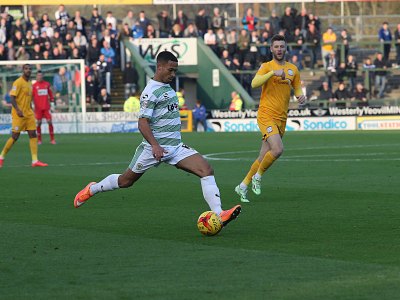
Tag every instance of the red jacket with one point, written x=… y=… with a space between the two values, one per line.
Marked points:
x=42 y=95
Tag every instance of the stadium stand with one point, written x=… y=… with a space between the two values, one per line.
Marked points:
x=86 y=34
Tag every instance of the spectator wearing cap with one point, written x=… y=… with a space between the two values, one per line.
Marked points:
x=385 y=37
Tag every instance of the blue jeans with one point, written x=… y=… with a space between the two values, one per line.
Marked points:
x=380 y=85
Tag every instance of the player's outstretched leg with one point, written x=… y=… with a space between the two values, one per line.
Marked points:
x=83 y=195
x=230 y=214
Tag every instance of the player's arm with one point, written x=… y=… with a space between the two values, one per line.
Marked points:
x=298 y=91
x=51 y=97
x=145 y=130
x=15 y=105
x=260 y=79
x=15 y=91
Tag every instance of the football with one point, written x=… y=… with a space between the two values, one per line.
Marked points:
x=209 y=223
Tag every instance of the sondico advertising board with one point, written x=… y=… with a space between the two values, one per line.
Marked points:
x=293 y=124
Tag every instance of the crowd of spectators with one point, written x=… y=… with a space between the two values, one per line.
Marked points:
x=96 y=39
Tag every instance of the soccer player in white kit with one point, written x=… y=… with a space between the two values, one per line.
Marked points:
x=160 y=125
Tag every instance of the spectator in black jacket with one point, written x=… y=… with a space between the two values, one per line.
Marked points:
x=93 y=52
x=325 y=92
x=164 y=24
x=360 y=95
x=313 y=40
x=201 y=22
x=380 y=74
x=104 y=99
x=397 y=43
x=301 y=21
x=97 y=23
x=130 y=79
x=352 y=68
x=143 y=21
x=287 y=20
x=342 y=94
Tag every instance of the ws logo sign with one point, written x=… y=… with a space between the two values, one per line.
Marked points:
x=184 y=49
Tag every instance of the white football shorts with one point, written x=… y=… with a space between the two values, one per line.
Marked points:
x=144 y=159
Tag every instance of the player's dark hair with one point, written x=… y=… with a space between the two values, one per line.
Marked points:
x=166 y=56
x=278 y=37
x=23 y=66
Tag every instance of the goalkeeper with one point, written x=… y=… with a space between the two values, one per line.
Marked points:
x=42 y=98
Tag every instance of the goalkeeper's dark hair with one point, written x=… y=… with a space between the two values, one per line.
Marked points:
x=166 y=56
x=278 y=37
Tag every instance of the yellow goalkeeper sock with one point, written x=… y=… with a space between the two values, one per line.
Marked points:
x=10 y=142
x=267 y=161
x=253 y=170
x=34 y=148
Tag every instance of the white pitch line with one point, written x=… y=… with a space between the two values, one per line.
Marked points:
x=73 y=165
x=311 y=157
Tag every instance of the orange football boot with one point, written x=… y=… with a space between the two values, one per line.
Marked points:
x=230 y=214
x=83 y=195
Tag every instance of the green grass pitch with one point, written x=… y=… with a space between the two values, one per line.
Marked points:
x=327 y=225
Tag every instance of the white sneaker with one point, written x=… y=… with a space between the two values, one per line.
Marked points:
x=242 y=193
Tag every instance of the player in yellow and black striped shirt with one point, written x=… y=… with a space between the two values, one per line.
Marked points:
x=277 y=77
x=23 y=118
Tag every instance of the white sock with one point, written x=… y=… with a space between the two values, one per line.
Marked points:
x=257 y=176
x=107 y=184
x=211 y=193
x=243 y=186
